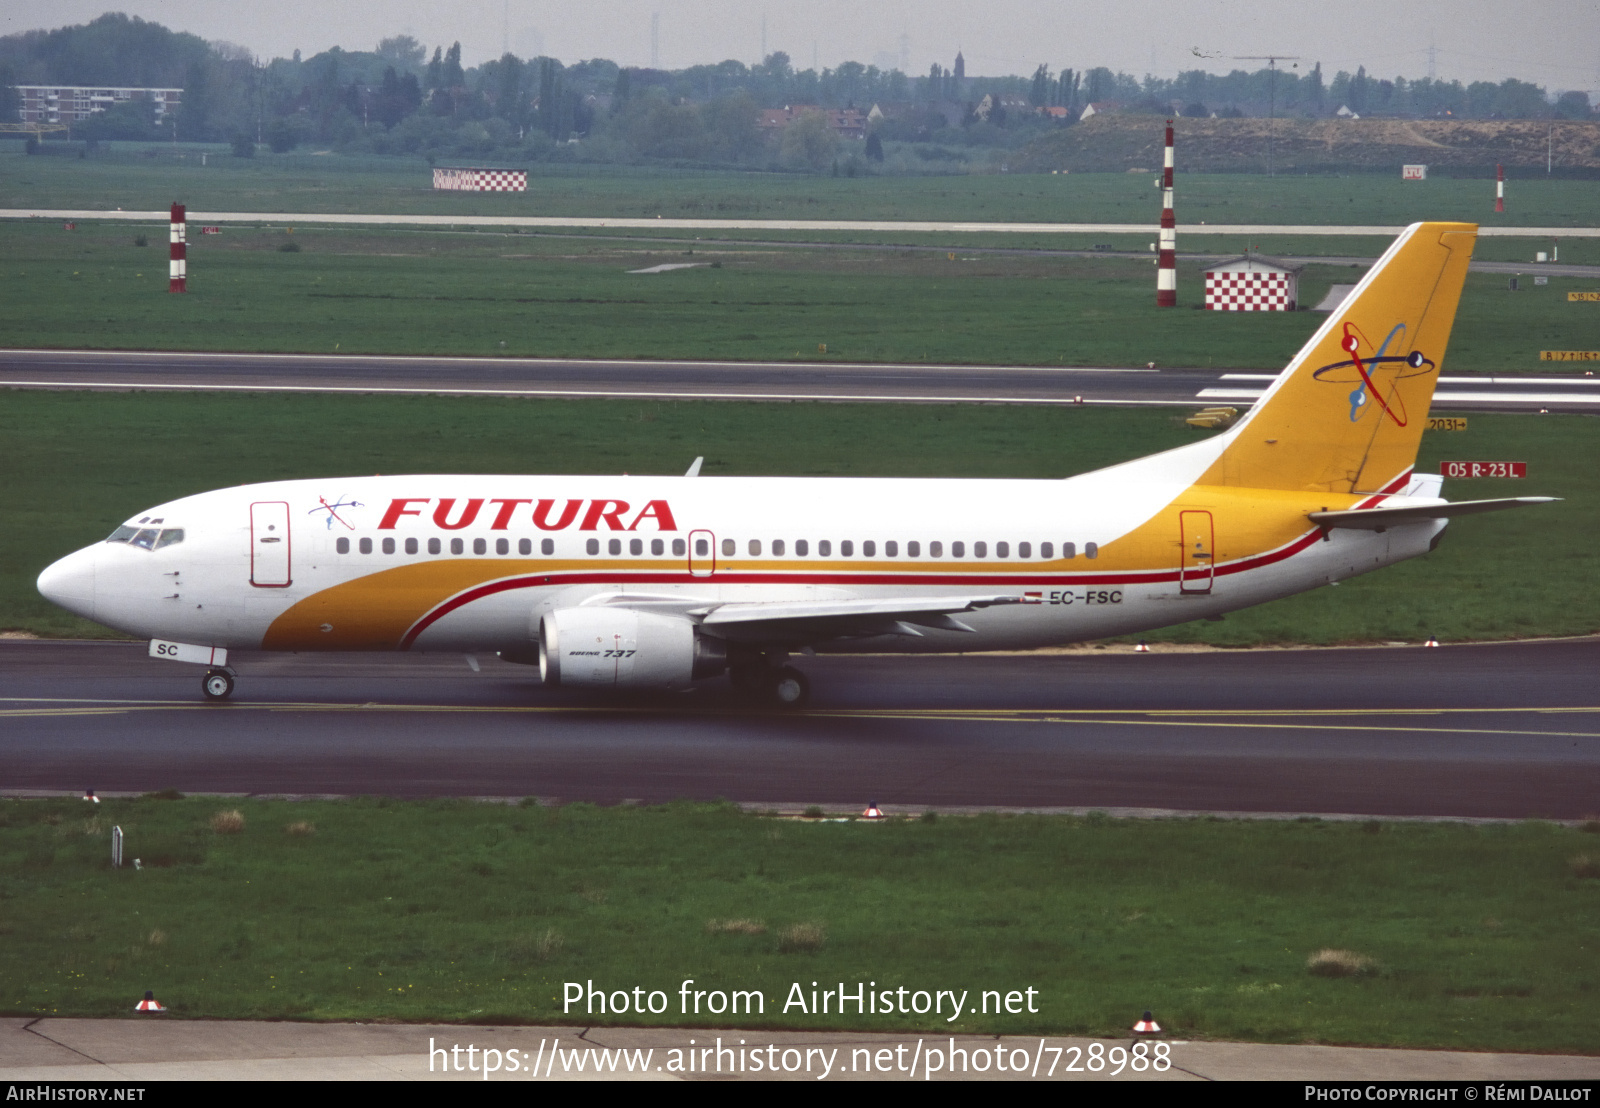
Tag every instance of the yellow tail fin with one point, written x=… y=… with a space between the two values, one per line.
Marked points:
x=1347 y=414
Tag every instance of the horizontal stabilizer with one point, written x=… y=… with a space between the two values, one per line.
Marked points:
x=1380 y=519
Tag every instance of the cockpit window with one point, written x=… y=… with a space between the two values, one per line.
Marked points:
x=146 y=538
x=122 y=534
x=169 y=537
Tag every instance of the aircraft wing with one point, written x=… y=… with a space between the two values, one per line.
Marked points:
x=810 y=620
x=1379 y=519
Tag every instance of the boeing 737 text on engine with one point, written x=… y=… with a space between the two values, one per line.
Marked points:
x=656 y=582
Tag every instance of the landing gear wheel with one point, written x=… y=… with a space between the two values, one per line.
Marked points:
x=217 y=684
x=789 y=688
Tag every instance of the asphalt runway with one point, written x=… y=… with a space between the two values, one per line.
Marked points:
x=810 y=225
x=1493 y=731
x=853 y=382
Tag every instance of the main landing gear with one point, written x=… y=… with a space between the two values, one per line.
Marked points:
x=762 y=675
x=217 y=684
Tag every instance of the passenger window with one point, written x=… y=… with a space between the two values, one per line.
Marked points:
x=170 y=537
x=146 y=539
x=728 y=547
x=824 y=548
x=635 y=546
x=959 y=550
x=868 y=548
x=777 y=547
x=755 y=547
x=980 y=549
x=913 y=549
x=1002 y=550
x=122 y=534
x=657 y=547
x=1024 y=550
x=388 y=546
x=936 y=550
x=457 y=546
x=801 y=547
x=480 y=546
x=1091 y=550
x=411 y=546
x=547 y=546
x=614 y=546
x=434 y=546
x=702 y=548
x=502 y=546
x=1046 y=551
x=678 y=547
x=846 y=547
x=524 y=546
x=342 y=546
x=592 y=546
x=366 y=546
x=891 y=548
x=1069 y=550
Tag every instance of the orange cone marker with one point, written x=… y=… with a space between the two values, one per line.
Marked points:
x=1147 y=1026
x=88 y=794
x=1431 y=641
x=149 y=1003
x=1142 y=648
x=873 y=811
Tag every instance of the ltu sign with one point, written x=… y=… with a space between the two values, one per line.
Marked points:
x=1413 y=173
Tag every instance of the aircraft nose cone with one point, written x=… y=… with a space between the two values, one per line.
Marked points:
x=70 y=582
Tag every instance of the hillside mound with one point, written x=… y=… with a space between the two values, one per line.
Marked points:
x=1117 y=143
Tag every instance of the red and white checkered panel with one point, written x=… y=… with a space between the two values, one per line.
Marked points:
x=1248 y=292
x=502 y=180
x=481 y=180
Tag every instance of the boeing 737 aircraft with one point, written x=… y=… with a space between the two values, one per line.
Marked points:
x=655 y=582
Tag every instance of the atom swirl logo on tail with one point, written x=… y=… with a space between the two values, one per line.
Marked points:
x=1367 y=391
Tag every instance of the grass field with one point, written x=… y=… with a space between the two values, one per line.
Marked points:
x=300 y=183
x=402 y=292
x=1477 y=937
x=77 y=464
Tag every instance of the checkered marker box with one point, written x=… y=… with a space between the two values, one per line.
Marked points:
x=1230 y=291
x=466 y=179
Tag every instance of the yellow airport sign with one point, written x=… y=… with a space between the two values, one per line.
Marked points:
x=1569 y=355
x=1583 y=296
x=1447 y=423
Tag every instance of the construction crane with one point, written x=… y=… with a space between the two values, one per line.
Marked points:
x=37 y=130
x=1272 y=61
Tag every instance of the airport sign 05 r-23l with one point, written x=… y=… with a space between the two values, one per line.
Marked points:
x=1483 y=469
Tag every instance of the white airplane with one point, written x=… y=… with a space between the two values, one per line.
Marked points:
x=655 y=582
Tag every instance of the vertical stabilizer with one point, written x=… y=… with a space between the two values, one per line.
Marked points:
x=1347 y=414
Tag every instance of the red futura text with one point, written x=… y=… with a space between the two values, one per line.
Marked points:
x=452 y=514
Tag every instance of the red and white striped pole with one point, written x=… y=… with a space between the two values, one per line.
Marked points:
x=1167 y=264
x=178 y=267
x=1499 y=188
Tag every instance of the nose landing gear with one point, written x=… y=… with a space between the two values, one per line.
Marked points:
x=217 y=684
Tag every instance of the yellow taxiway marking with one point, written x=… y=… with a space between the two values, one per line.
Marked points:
x=1280 y=719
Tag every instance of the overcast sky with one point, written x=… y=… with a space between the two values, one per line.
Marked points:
x=1555 y=44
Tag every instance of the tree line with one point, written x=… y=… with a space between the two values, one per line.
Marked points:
x=399 y=98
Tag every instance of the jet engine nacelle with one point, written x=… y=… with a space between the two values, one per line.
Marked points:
x=624 y=649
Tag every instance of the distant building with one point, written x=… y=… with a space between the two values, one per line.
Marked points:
x=846 y=122
x=1252 y=283
x=1100 y=107
x=73 y=104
